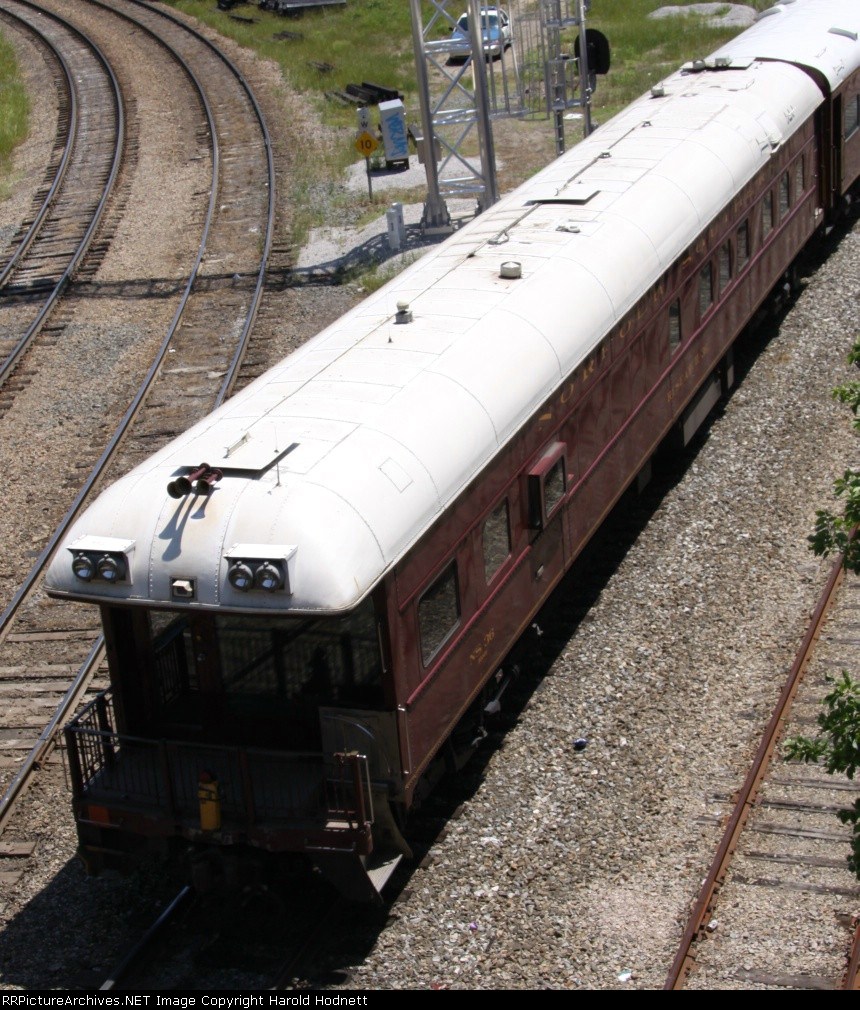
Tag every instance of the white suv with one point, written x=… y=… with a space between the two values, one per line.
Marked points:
x=495 y=28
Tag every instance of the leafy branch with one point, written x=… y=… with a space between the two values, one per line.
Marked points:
x=834 y=532
x=838 y=743
x=838 y=746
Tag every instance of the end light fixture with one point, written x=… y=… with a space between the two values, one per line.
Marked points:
x=240 y=576
x=111 y=567
x=102 y=559
x=83 y=566
x=268 y=577
x=265 y=567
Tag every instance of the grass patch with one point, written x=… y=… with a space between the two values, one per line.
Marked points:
x=376 y=277
x=645 y=50
x=323 y=50
x=363 y=40
x=14 y=113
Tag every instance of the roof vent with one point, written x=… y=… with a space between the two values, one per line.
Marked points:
x=658 y=91
x=511 y=270
x=404 y=313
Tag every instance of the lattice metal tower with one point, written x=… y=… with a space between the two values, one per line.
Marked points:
x=460 y=97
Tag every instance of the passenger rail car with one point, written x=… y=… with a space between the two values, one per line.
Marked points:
x=307 y=598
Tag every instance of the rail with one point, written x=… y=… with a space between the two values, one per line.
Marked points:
x=47 y=739
x=96 y=213
x=703 y=909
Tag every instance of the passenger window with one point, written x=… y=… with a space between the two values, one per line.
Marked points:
x=767 y=215
x=706 y=289
x=438 y=613
x=784 y=196
x=553 y=487
x=725 y=265
x=852 y=116
x=674 y=325
x=743 y=244
x=174 y=670
x=292 y=658
x=496 y=540
x=799 y=179
x=546 y=486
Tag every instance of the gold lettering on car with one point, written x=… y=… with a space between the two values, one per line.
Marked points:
x=479 y=653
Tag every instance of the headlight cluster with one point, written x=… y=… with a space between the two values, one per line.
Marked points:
x=260 y=566
x=265 y=575
x=101 y=559
x=109 y=567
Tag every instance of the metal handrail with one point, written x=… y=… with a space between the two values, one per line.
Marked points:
x=155 y=772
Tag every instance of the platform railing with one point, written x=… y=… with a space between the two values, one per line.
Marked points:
x=254 y=786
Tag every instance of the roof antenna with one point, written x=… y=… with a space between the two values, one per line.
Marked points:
x=277 y=454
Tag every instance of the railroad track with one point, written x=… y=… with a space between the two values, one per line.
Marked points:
x=784 y=853
x=192 y=371
x=265 y=938
x=80 y=179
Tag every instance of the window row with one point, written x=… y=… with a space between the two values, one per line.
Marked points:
x=439 y=607
x=734 y=254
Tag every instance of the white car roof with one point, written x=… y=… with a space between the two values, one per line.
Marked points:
x=378 y=426
x=787 y=30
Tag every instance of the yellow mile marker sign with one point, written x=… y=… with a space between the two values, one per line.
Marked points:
x=366 y=143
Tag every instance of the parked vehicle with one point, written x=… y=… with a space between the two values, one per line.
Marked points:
x=495 y=29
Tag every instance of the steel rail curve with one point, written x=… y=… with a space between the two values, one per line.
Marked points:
x=79 y=685
x=851 y=978
x=68 y=148
x=47 y=737
x=233 y=371
x=702 y=910
x=86 y=240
